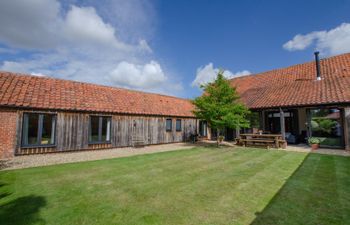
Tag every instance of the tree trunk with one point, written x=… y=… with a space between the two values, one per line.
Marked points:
x=217 y=137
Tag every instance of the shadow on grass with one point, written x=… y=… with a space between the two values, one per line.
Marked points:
x=210 y=144
x=22 y=211
x=2 y=193
x=316 y=193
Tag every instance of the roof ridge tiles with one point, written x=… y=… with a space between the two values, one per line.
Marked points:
x=92 y=84
x=288 y=67
x=297 y=85
x=52 y=93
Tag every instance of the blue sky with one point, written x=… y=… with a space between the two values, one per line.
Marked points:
x=166 y=46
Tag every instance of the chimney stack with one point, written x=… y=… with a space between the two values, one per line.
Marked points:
x=318 y=69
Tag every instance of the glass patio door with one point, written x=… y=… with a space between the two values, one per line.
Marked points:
x=274 y=122
x=326 y=124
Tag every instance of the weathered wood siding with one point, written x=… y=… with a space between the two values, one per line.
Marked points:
x=347 y=128
x=151 y=129
x=72 y=131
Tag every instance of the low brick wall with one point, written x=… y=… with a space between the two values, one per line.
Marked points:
x=8 y=125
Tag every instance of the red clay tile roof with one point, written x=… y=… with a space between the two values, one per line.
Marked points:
x=287 y=87
x=297 y=85
x=18 y=90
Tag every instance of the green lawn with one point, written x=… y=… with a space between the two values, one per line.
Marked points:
x=199 y=186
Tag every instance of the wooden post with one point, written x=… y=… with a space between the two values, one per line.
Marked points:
x=276 y=142
x=237 y=132
x=283 y=130
x=308 y=127
x=262 y=120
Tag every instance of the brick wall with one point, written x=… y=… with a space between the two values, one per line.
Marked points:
x=8 y=124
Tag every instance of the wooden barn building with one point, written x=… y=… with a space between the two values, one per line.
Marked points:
x=300 y=101
x=42 y=114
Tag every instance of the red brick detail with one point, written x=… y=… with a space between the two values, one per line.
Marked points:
x=8 y=124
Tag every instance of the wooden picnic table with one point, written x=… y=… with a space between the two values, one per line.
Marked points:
x=273 y=140
x=262 y=135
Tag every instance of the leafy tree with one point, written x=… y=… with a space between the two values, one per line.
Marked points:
x=220 y=106
x=322 y=125
x=254 y=119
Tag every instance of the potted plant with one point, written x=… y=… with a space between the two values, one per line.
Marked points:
x=314 y=142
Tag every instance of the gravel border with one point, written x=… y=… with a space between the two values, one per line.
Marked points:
x=27 y=161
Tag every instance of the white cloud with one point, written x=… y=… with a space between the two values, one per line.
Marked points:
x=38 y=74
x=208 y=74
x=144 y=46
x=84 y=25
x=83 y=43
x=149 y=75
x=300 y=42
x=40 y=24
x=135 y=19
x=29 y=24
x=331 y=42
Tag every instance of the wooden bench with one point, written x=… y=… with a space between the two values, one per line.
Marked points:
x=138 y=141
x=266 y=140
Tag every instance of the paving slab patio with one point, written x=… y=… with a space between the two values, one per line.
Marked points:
x=294 y=148
x=328 y=151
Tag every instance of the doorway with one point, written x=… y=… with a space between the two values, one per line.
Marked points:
x=203 y=128
x=290 y=122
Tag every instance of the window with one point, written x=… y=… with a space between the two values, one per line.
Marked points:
x=277 y=115
x=38 y=129
x=178 y=125
x=169 y=124
x=100 y=129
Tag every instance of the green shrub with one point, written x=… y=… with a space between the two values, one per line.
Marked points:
x=313 y=140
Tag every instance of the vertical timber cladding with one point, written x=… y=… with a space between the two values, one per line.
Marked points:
x=72 y=131
x=347 y=128
x=150 y=128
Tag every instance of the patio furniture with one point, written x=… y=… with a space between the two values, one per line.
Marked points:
x=290 y=138
x=258 y=140
x=193 y=138
x=138 y=141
